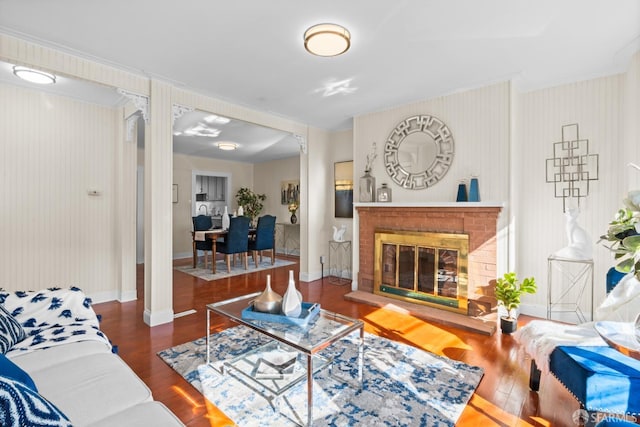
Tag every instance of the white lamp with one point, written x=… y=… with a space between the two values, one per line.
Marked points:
x=327 y=40
x=34 y=76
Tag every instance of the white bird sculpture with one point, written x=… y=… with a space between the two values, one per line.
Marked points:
x=338 y=233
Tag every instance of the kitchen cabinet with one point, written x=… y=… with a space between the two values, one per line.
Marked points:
x=211 y=188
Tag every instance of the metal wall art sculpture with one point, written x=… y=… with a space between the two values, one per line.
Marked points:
x=572 y=167
x=418 y=152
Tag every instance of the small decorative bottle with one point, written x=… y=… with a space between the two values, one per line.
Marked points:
x=462 y=192
x=474 y=190
x=384 y=193
x=268 y=301
x=367 y=187
x=240 y=211
x=225 y=219
x=292 y=300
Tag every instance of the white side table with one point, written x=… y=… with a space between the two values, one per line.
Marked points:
x=570 y=289
x=339 y=261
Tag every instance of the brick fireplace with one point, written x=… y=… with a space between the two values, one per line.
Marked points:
x=477 y=220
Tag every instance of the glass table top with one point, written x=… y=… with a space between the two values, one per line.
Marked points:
x=321 y=332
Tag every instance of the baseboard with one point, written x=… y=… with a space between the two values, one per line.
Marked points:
x=535 y=310
x=127 y=296
x=183 y=255
x=158 y=317
x=311 y=277
x=99 y=297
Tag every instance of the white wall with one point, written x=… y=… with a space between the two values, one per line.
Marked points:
x=596 y=106
x=52 y=150
x=480 y=123
x=267 y=179
x=339 y=149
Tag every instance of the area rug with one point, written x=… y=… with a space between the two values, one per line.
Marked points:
x=403 y=386
x=221 y=268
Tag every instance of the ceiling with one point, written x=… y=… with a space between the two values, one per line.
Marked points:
x=251 y=52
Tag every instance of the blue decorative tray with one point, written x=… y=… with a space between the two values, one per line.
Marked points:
x=309 y=312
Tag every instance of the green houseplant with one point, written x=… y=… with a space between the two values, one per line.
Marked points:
x=251 y=203
x=508 y=292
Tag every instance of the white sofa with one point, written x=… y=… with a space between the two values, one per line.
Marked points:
x=72 y=364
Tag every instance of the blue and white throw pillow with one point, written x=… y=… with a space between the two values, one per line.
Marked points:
x=11 y=332
x=21 y=406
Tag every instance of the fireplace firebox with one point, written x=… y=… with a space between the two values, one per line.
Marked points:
x=423 y=267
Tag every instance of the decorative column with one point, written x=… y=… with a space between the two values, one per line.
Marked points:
x=158 y=209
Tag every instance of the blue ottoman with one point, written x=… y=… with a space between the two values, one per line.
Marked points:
x=615 y=422
x=601 y=378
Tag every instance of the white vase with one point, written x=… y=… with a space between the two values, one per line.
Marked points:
x=292 y=299
x=637 y=327
x=225 y=219
x=240 y=211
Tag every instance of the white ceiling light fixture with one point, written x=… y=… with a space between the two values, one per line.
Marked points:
x=34 y=76
x=327 y=40
x=227 y=146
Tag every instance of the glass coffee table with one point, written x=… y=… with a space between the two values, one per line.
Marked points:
x=291 y=353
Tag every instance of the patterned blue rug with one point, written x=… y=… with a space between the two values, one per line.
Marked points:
x=403 y=386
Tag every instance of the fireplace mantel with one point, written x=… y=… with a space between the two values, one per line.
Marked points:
x=465 y=205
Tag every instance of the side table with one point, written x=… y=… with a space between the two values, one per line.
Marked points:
x=339 y=261
x=569 y=284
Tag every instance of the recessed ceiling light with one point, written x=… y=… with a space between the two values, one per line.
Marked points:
x=34 y=76
x=212 y=118
x=327 y=40
x=227 y=146
x=202 y=129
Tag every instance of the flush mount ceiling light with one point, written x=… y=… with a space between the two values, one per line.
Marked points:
x=327 y=40
x=34 y=76
x=227 y=146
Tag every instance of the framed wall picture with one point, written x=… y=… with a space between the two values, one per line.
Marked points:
x=174 y=193
x=290 y=192
x=343 y=188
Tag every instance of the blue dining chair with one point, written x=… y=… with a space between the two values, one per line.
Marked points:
x=264 y=238
x=236 y=241
x=201 y=223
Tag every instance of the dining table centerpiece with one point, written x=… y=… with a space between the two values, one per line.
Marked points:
x=251 y=203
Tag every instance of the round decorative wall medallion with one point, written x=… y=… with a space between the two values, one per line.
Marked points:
x=418 y=152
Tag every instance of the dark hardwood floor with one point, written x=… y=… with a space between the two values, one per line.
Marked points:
x=502 y=398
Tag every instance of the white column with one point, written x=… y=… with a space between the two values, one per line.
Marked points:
x=126 y=165
x=158 y=233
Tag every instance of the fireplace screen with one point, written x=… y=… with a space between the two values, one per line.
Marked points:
x=427 y=268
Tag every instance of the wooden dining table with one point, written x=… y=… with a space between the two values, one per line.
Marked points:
x=213 y=235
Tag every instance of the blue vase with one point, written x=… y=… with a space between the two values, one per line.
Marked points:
x=474 y=191
x=462 y=193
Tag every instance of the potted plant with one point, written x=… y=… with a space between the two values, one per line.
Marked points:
x=508 y=292
x=251 y=203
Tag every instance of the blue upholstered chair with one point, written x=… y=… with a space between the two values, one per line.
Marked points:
x=264 y=238
x=236 y=241
x=201 y=223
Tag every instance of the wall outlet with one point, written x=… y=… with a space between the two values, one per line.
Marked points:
x=323 y=259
